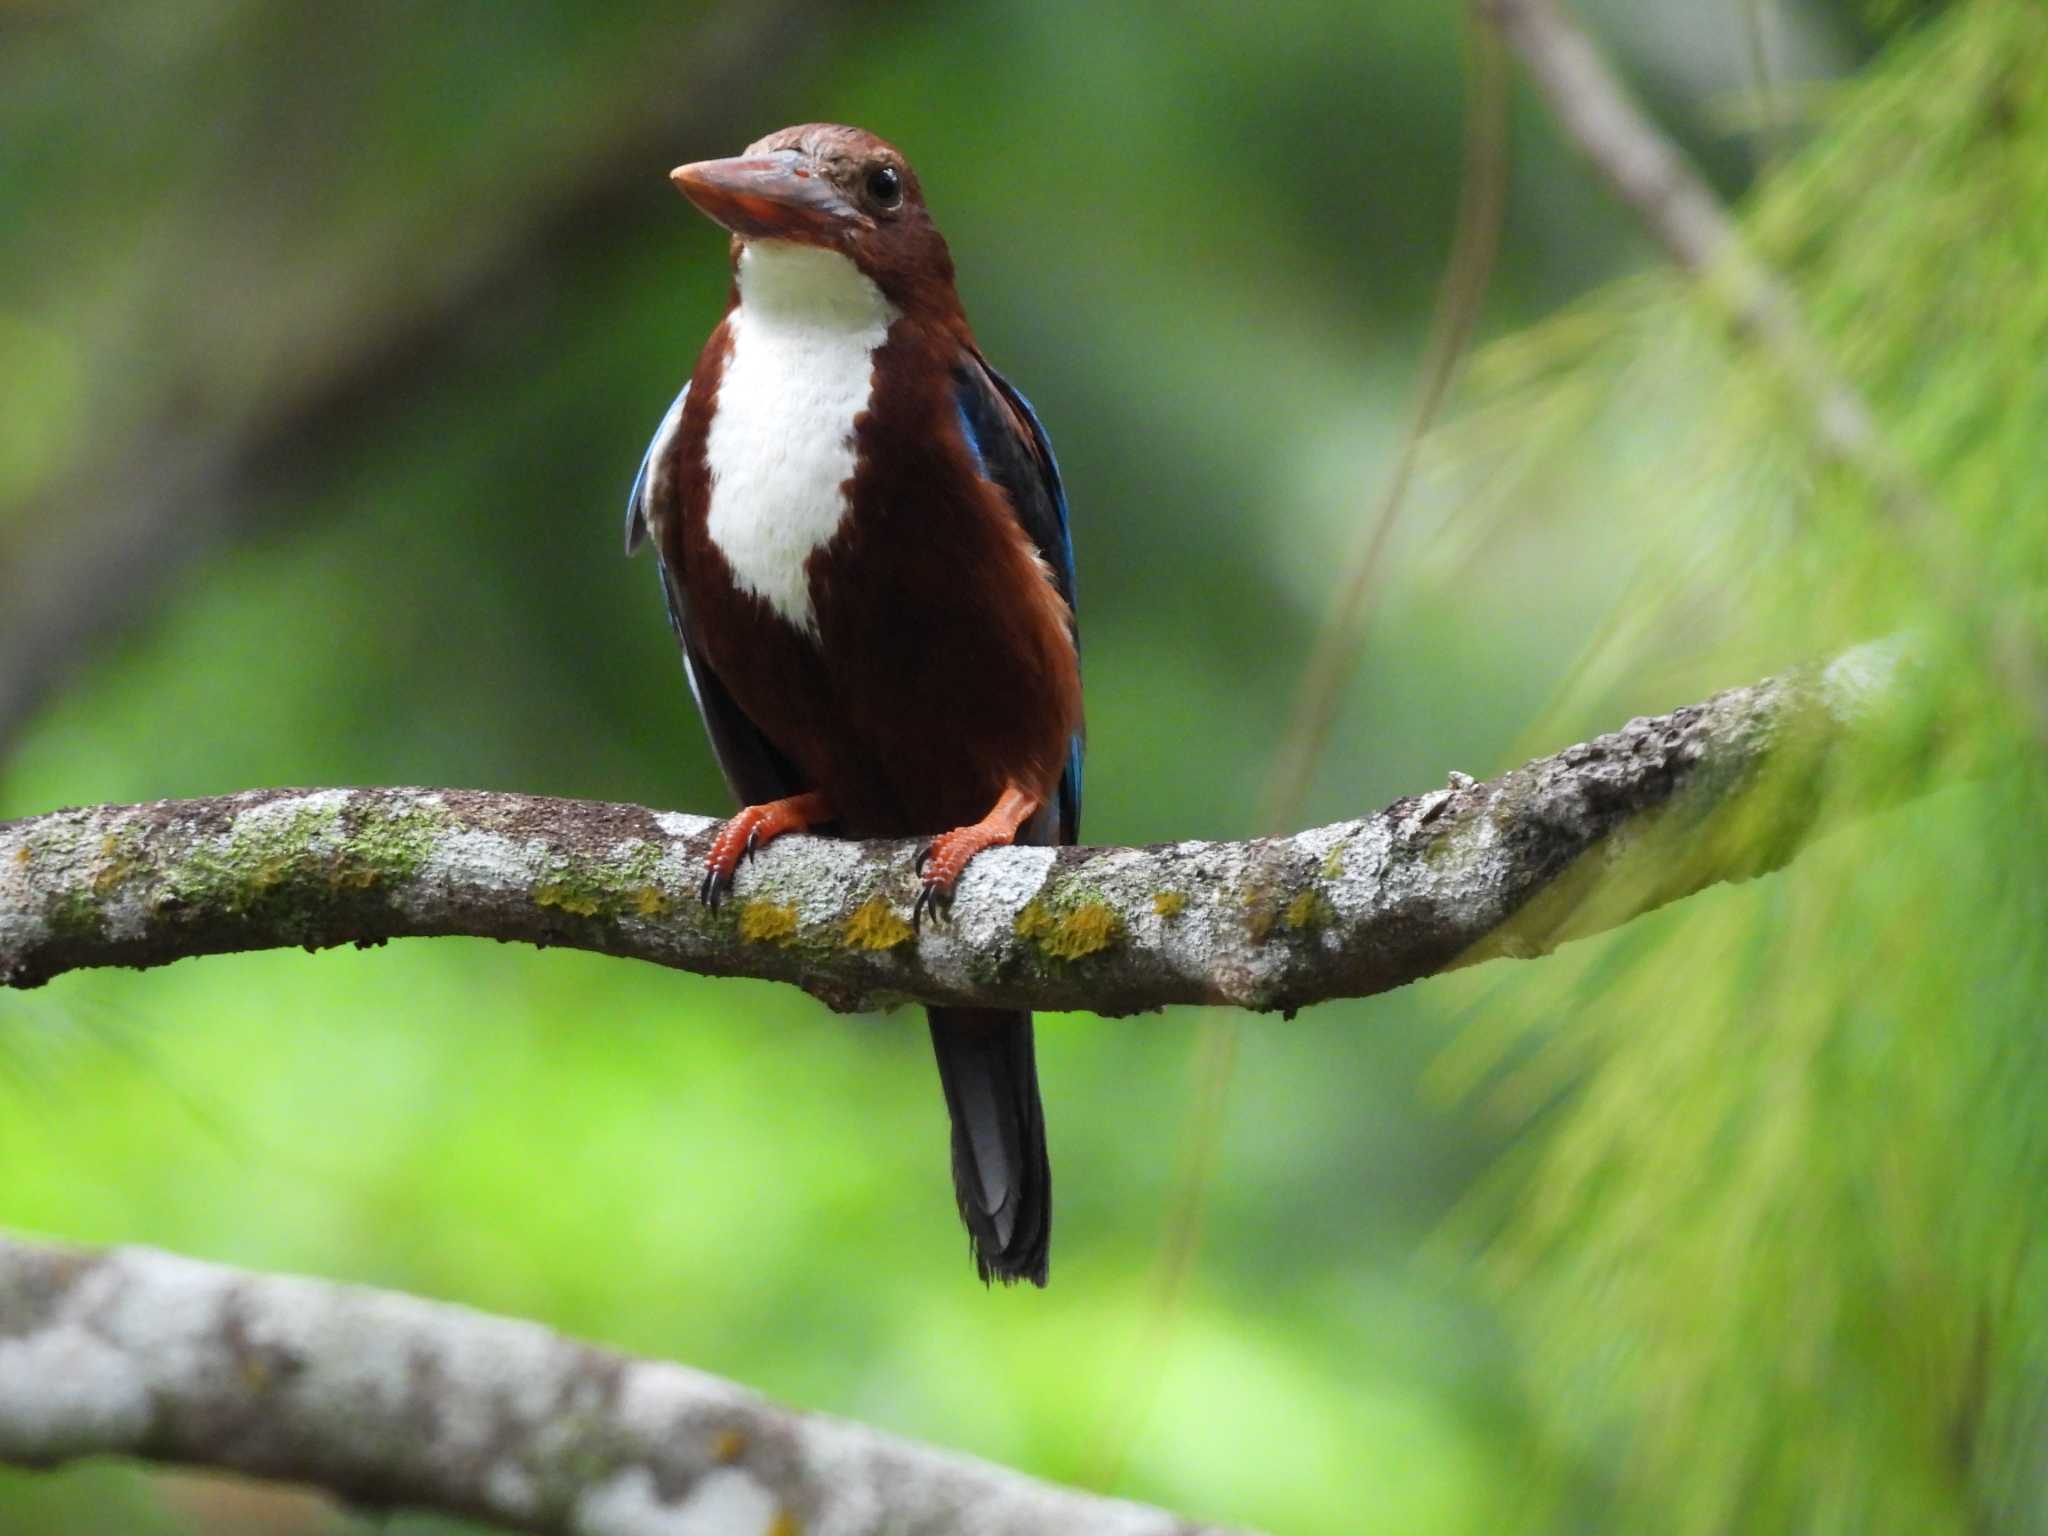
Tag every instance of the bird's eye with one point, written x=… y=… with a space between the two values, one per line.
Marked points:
x=885 y=187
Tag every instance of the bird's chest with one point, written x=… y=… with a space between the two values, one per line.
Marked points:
x=780 y=449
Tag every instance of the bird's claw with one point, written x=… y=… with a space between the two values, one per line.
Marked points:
x=935 y=894
x=939 y=866
x=934 y=900
x=736 y=841
x=754 y=828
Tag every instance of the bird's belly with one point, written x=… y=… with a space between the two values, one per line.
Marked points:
x=917 y=701
x=780 y=450
x=949 y=680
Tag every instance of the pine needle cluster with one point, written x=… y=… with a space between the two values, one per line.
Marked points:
x=1776 y=1228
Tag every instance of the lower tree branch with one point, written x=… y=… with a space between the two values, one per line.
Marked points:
x=1564 y=846
x=390 y=1401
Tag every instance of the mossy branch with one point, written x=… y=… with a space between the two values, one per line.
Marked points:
x=1564 y=846
x=393 y=1402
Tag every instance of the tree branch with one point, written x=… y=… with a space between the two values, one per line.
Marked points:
x=391 y=1401
x=1563 y=846
x=1681 y=213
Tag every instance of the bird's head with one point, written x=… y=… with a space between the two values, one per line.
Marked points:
x=836 y=189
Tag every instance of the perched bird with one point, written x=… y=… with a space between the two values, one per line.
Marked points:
x=863 y=545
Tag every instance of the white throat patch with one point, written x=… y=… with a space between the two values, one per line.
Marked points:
x=780 y=449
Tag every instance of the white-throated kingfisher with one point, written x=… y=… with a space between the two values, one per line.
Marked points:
x=863 y=545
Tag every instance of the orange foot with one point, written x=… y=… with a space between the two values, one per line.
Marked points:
x=754 y=828
x=946 y=856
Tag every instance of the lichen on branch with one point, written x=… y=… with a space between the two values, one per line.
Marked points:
x=1562 y=846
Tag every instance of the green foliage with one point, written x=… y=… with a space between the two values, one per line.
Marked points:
x=1761 y=1253
x=215 y=205
x=1778 y=1242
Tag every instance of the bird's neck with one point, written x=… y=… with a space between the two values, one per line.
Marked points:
x=785 y=284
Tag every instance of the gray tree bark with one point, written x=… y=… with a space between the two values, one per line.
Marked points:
x=1563 y=846
x=394 y=1402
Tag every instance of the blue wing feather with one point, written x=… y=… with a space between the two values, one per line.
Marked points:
x=636 y=508
x=1030 y=475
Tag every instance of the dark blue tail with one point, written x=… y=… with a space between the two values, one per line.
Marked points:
x=1001 y=1176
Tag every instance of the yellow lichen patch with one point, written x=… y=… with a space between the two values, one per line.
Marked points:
x=21 y=855
x=764 y=922
x=354 y=875
x=1259 y=916
x=785 y=1524
x=1088 y=928
x=875 y=926
x=1333 y=862
x=270 y=872
x=1034 y=922
x=1308 y=911
x=110 y=874
x=650 y=901
x=1169 y=904
x=728 y=1447
x=567 y=897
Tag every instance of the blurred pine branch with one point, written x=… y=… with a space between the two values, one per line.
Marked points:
x=1777 y=1242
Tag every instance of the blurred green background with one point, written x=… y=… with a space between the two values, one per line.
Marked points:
x=332 y=337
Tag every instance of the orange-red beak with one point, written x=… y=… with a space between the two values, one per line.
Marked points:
x=766 y=197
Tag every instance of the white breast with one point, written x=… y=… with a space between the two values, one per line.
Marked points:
x=780 y=448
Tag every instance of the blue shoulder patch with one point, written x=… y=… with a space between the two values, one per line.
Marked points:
x=967 y=431
x=1031 y=475
x=1055 y=485
x=636 y=509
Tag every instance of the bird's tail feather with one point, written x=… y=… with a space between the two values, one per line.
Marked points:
x=1001 y=1176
